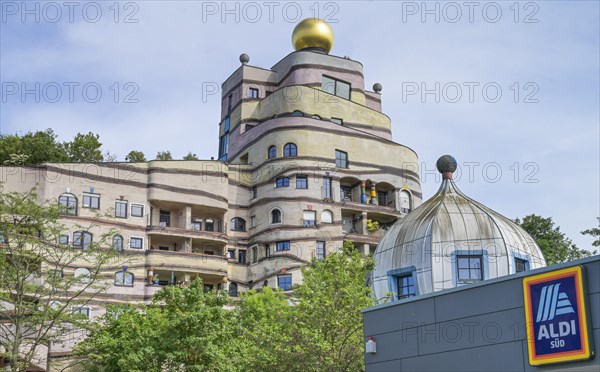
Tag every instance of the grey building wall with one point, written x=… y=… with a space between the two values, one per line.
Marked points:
x=480 y=327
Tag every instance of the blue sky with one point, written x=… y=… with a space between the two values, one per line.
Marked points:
x=539 y=155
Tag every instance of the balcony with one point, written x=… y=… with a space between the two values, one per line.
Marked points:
x=187 y=233
x=212 y=265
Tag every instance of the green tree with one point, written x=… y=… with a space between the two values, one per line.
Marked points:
x=38 y=288
x=594 y=232
x=185 y=329
x=135 y=156
x=327 y=318
x=164 y=155
x=190 y=156
x=266 y=338
x=555 y=246
x=85 y=148
x=39 y=147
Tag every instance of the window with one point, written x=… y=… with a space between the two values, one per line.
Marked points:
x=406 y=286
x=208 y=287
x=469 y=268
x=121 y=209
x=282 y=182
x=224 y=139
x=302 y=182
x=68 y=204
x=118 y=242
x=405 y=201
x=326 y=217
x=253 y=93
x=124 y=278
x=326 y=190
x=253 y=221
x=210 y=225
x=237 y=224
x=81 y=311
x=341 y=159
x=254 y=254
x=320 y=251
x=382 y=198
x=336 y=87
x=231 y=254
x=346 y=192
x=276 y=216
x=136 y=243
x=137 y=210
x=82 y=239
x=164 y=218
x=242 y=256
x=290 y=150
x=233 y=289
x=267 y=250
x=272 y=152
x=337 y=121
x=284 y=282
x=91 y=201
x=309 y=218
x=55 y=274
x=283 y=246
x=254 y=192
x=298 y=114
x=82 y=272
x=196 y=224
x=521 y=265
x=63 y=240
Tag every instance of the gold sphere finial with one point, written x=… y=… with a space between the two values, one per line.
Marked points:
x=312 y=33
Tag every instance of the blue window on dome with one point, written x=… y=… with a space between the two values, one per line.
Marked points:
x=469 y=266
x=403 y=282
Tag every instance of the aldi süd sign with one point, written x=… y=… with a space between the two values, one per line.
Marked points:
x=557 y=316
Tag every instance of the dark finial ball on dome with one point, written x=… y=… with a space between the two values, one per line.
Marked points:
x=244 y=58
x=446 y=164
x=377 y=87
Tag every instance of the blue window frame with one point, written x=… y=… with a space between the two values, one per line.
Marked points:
x=521 y=262
x=282 y=182
x=469 y=266
x=402 y=282
x=283 y=246
x=284 y=282
x=302 y=182
x=290 y=150
x=272 y=152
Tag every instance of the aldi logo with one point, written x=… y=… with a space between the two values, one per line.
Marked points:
x=556 y=317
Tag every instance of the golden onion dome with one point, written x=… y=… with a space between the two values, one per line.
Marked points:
x=312 y=33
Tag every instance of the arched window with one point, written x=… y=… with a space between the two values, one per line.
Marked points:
x=233 y=289
x=124 y=278
x=68 y=204
x=82 y=239
x=290 y=150
x=82 y=273
x=298 y=113
x=326 y=216
x=276 y=216
x=316 y=117
x=405 y=202
x=237 y=224
x=272 y=152
x=118 y=242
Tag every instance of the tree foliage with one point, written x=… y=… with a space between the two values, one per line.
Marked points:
x=188 y=329
x=38 y=147
x=135 y=156
x=555 y=246
x=85 y=148
x=190 y=156
x=38 y=291
x=594 y=232
x=185 y=329
x=164 y=155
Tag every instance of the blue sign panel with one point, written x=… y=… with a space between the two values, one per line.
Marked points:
x=556 y=316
